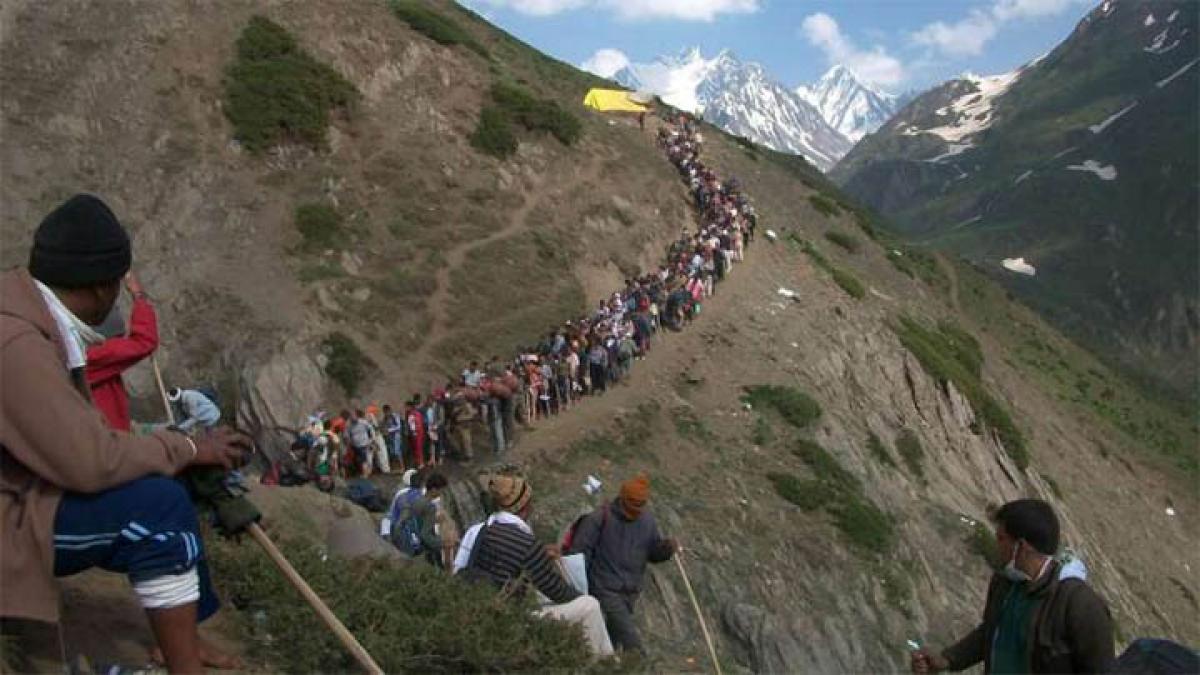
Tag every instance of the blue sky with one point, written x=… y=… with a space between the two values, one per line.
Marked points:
x=896 y=44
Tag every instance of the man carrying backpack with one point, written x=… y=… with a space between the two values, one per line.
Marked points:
x=503 y=551
x=618 y=540
x=414 y=523
x=197 y=409
x=1038 y=618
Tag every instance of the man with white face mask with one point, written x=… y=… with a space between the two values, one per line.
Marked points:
x=1036 y=620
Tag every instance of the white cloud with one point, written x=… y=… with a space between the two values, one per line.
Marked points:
x=965 y=37
x=873 y=65
x=634 y=10
x=969 y=35
x=606 y=62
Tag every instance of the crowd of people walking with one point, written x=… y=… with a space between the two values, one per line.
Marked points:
x=585 y=356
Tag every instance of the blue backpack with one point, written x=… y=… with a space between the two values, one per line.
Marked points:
x=406 y=526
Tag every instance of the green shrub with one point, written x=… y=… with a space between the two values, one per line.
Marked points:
x=824 y=204
x=689 y=426
x=878 y=451
x=982 y=541
x=410 y=617
x=762 y=435
x=864 y=224
x=809 y=495
x=319 y=224
x=537 y=114
x=794 y=406
x=345 y=362
x=909 y=447
x=919 y=265
x=493 y=134
x=846 y=241
x=276 y=92
x=840 y=494
x=435 y=26
x=950 y=354
x=319 y=271
x=827 y=469
x=863 y=523
x=849 y=283
x=811 y=251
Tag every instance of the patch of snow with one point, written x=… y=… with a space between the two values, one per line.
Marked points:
x=968 y=221
x=1019 y=266
x=1149 y=20
x=972 y=112
x=1022 y=177
x=1097 y=128
x=1171 y=19
x=1106 y=8
x=951 y=150
x=1102 y=172
x=1162 y=83
x=1064 y=152
x=1170 y=511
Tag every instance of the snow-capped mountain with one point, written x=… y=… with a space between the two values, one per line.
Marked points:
x=848 y=104
x=742 y=99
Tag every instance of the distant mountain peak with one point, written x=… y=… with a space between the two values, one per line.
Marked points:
x=742 y=98
x=849 y=104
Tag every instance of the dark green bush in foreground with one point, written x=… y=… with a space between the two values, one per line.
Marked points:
x=410 y=617
x=319 y=224
x=275 y=92
x=514 y=105
x=493 y=134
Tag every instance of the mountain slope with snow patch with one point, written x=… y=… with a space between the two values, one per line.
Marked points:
x=852 y=107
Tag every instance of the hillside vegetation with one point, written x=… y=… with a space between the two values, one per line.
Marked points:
x=828 y=457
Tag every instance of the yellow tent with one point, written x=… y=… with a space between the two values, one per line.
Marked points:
x=612 y=100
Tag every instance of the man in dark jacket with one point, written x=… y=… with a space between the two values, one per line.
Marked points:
x=618 y=541
x=1036 y=620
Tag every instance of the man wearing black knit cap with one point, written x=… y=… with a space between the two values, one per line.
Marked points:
x=73 y=493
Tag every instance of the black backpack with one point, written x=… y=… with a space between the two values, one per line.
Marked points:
x=1149 y=656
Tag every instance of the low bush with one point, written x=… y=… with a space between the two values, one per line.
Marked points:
x=919 y=265
x=275 y=92
x=435 y=26
x=982 y=541
x=762 y=435
x=840 y=494
x=537 y=114
x=345 y=362
x=410 y=617
x=909 y=447
x=849 y=283
x=493 y=134
x=878 y=451
x=824 y=204
x=319 y=225
x=794 y=406
x=846 y=241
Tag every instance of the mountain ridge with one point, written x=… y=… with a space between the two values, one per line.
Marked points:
x=848 y=104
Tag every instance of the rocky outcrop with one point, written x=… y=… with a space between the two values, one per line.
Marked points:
x=274 y=397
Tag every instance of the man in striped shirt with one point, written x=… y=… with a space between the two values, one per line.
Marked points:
x=503 y=550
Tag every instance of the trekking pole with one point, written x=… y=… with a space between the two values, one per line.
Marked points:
x=712 y=651
x=259 y=535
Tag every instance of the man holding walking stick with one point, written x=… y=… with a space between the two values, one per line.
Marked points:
x=618 y=540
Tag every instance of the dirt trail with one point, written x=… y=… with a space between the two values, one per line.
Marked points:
x=455 y=258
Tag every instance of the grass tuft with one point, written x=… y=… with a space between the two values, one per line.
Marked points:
x=846 y=241
x=909 y=447
x=794 y=406
x=825 y=205
x=319 y=224
x=878 y=451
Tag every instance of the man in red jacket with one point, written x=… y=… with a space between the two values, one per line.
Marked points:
x=107 y=360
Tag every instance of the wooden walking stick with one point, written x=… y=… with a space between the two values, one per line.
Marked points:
x=712 y=651
x=259 y=535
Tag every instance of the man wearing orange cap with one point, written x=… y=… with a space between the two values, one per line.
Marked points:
x=618 y=540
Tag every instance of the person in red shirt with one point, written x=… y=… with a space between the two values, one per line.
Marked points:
x=107 y=360
x=416 y=430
